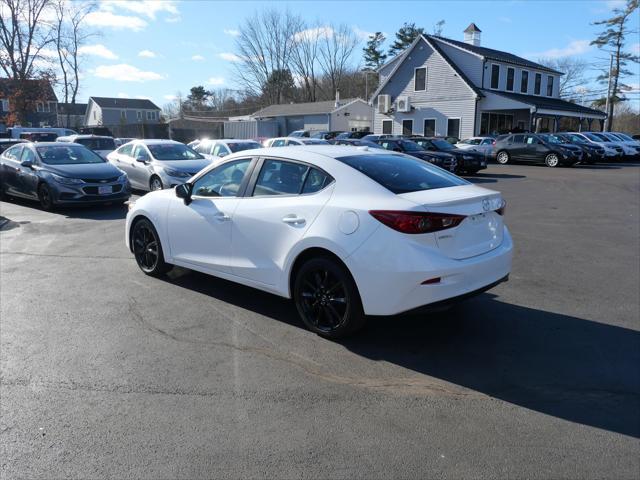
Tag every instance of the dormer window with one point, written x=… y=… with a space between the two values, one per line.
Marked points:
x=524 y=82
x=495 y=76
x=420 y=79
x=549 y=86
x=510 y=76
x=537 y=84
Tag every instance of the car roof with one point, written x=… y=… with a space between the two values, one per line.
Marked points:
x=155 y=141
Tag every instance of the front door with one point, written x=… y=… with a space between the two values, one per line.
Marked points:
x=287 y=198
x=27 y=178
x=139 y=176
x=200 y=233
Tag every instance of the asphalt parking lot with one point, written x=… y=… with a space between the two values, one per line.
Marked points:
x=108 y=373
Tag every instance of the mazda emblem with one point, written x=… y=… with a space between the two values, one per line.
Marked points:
x=486 y=205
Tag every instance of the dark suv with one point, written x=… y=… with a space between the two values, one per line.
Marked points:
x=531 y=147
x=468 y=162
x=396 y=144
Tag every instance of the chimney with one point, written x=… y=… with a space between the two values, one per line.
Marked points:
x=337 y=104
x=472 y=35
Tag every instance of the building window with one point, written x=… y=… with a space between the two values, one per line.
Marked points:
x=549 y=86
x=453 y=127
x=139 y=115
x=149 y=115
x=495 y=123
x=429 y=127
x=495 y=76
x=4 y=105
x=536 y=85
x=524 y=82
x=510 y=74
x=407 y=127
x=40 y=107
x=387 y=127
x=420 y=79
x=52 y=107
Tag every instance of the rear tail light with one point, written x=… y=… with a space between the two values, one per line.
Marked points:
x=417 y=222
x=493 y=143
x=503 y=207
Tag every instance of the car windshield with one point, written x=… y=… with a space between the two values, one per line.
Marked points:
x=67 y=155
x=600 y=137
x=576 y=139
x=239 y=146
x=402 y=174
x=624 y=136
x=551 y=139
x=409 y=146
x=442 y=144
x=173 y=151
x=97 y=143
x=593 y=137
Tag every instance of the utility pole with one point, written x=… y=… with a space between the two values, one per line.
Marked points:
x=607 y=122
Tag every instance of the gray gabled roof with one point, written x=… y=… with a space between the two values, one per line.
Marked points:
x=309 y=108
x=72 y=108
x=133 y=103
x=549 y=103
x=472 y=28
x=498 y=55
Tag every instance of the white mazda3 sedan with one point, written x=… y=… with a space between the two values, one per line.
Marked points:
x=345 y=232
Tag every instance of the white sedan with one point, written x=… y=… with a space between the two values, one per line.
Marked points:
x=345 y=232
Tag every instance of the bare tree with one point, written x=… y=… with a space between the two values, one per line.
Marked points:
x=336 y=50
x=264 y=48
x=574 y=70
x=304 y=59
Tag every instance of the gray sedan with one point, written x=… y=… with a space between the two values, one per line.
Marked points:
x=157 y=164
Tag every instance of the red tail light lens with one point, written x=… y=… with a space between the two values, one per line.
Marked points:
x=417 y=222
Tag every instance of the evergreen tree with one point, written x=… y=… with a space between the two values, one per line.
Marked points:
x=374 y=57
x=405 y=37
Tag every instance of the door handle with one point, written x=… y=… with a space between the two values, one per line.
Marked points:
x=293 y=220
x=222 y=217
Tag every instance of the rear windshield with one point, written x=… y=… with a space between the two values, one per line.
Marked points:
x=236 y=147
x=402 y=174
x=69 y=154
x=97 y=143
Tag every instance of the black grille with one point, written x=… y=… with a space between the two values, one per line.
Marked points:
x=99 y=180
x=94 y=190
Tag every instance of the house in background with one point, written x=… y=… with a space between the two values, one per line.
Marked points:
x=105 y=111
x=71 y=115
x=334 y=115
x=38 y=99
x=440 y=86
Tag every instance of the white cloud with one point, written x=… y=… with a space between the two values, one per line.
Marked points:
x=125 y=73
x=362 y=34
x=576 y=47
x=232 y=32
x=170 y=98
x=173 y=19
x=313 y=33
x=98 y=50
x=197 y=58
x=229 y=57
x=146 y=54
x=123 y=95
x=148 y=8
x=215 y=81
x=108 y=19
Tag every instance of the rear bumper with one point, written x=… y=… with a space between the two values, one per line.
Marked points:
x=391 y=283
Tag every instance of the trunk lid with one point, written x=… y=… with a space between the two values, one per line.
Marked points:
x=482 y=229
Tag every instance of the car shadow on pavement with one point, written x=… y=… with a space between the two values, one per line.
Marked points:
x=574 y=369
x=115 y=211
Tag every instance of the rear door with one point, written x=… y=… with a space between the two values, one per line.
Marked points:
x=517 y=147
x=139 y=176
x=285 y=200
x=11 y=169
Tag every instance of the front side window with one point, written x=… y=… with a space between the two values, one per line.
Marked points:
x=28 y=155
x=524 y=82
x=223 y=181
x=278 y=177
x=495 y=76
x=420 y=79
x=68 y=154
x=510 y=75
x=549 y=86
x=402 y=174
x=538 y=82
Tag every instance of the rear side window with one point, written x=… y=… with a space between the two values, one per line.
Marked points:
x=13 y=153
x=280 y=178
x=517 y=139
x=126 y=149
x=316 y=181
x=401 y=174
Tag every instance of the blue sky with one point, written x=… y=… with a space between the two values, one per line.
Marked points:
x=153 y=49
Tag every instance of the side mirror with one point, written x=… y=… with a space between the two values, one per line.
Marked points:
x=27 y=164
x=183 y=191
x=142 y=159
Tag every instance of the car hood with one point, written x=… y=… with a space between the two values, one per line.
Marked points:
x=432 y=154
x=98 y=171
x=188 y=166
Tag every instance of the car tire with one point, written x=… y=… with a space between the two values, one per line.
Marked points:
x=552 y=160
x=327 y=298
x=503 y=157
x=45 y=197
x=147 y=248
x=155 y=183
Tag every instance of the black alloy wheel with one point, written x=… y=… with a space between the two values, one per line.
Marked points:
x=45 y=196
x=327 y=298
x=147 y=248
